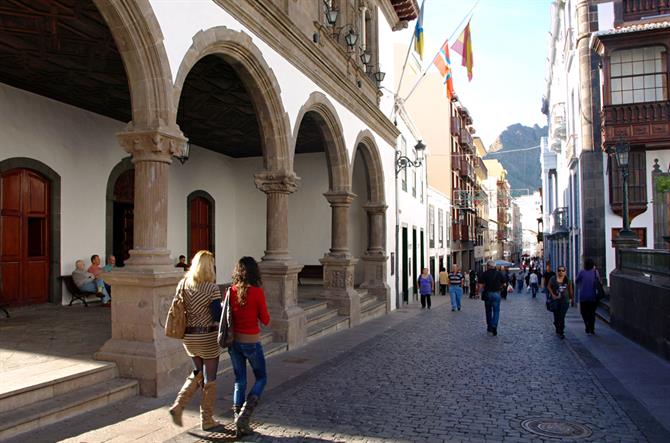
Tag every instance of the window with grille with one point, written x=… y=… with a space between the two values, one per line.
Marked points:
x=638 y=75
x=637 y=186
x=431 y=226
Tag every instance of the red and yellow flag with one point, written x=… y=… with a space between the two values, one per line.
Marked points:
x=464 y=47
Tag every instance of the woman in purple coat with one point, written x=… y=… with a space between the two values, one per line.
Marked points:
x=586 y=280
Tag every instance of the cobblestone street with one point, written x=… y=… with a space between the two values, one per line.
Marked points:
x=425 y=376
x=439 y=376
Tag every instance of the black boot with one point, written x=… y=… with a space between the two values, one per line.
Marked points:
x=242 y=423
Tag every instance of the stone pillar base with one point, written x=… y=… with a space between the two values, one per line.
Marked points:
x=138 y=346
x=338 y=282
x=280 y=284
x=375 y=277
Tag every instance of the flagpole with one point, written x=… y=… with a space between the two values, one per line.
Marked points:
x=425 y=71
x=409 y=49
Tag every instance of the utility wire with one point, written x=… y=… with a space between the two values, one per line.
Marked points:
x=409 y=49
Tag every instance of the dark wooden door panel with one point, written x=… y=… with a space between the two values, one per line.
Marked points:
x=199 y=215
x=10 y=273
x=24 y=231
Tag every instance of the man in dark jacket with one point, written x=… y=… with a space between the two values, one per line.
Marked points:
x=490 y=282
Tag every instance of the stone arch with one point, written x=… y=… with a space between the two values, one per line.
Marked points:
x=238 y=49
x=55 y=289
x=337 y=158
x=373 y=165
x=139 y=40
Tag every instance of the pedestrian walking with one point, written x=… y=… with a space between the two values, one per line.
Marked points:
x=533 y=282
x=519 y=281
x=546 y=277
x=505 y=284
x=426 y=287
x=455 y=288
x=248 y=307
x=527 y=279
x=561 y=292
x=473 y=283
x=444 y=280
x=513 y=281
x=587 y=282
x=466 y=284
x=490 y=282
x=202 y=303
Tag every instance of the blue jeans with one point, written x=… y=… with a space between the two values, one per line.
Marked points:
x=94 y=286
x=533 y=289
x=456 y=293
x=492 y=307
x=240 y=353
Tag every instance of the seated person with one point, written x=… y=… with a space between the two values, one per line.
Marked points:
x=97 y=270
x=182 y=263
x=111 y=264
x=86 y=281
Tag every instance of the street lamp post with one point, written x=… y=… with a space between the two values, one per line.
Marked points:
x=626 y=238
x=403 y=162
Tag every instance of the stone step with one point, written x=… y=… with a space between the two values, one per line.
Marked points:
x=603 y=311
x=312 y=305
x=362 y=292
x=322 y=315
x=43 y=381
x=327 y=327
x=374 y=310
x=65 y=405
x=368 y=300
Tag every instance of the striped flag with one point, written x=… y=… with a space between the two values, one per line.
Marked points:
x=443 y=64
x=464 y=47
x=418 y=33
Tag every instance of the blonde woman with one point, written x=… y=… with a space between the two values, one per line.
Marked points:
x=202 y=301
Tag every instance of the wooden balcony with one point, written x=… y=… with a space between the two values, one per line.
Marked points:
x=465 y=139
x=636 y=9
x=638 y=123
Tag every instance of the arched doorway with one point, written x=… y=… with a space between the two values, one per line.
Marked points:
x=123 y=205
x=200 y=223
x=25 y=237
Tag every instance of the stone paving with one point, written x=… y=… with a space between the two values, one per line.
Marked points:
x=420 y=376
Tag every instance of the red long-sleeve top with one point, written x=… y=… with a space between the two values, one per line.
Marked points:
x=245 y=318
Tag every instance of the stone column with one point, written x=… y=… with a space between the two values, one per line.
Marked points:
x=144 y=288
x=375 y=259
x=338 y=264
x=279 y=271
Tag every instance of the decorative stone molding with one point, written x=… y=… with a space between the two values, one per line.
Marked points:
x=276 y=182
x=153 y=145
x=338 y=283
x=239 y=49
x=266 y=20
x=376 y=208
x=340 y=198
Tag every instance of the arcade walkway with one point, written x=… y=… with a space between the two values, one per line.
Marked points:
x=431 y=376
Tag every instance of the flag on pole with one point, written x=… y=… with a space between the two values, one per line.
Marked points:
x=464 y=47
x=443 y=64
x=418 y=32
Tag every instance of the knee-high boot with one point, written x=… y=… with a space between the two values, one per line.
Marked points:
x=190 y=386
x=242 y=423
x=207 y=407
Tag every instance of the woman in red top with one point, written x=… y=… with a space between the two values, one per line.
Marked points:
x=247 y=304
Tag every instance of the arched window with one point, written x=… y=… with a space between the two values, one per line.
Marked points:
x=200 y=223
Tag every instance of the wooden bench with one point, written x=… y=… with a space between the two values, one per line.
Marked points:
x=310 y=271
x=77 y=294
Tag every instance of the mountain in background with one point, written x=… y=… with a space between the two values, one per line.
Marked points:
x=523 y=167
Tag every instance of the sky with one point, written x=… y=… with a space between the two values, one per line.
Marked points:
x=509 y=41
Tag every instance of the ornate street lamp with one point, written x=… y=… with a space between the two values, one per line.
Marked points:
x=366 y=57
x=402 y=161
x=379 y=78
x=621 y=153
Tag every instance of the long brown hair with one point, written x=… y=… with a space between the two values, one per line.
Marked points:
x=246 y=274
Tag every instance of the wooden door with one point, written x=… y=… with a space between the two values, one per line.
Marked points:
x=24 y=231
x=199 y=214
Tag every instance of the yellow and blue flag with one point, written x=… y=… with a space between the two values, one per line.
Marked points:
x=418 y=32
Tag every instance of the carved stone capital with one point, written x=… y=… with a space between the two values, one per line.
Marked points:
x=376 y=208
x=343 y=198
x=277 y=182
x=155 y=145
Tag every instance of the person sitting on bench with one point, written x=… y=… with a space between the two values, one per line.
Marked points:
x=97 y=271
x=86 y=281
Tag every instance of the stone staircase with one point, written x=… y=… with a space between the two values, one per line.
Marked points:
x=371 y=306
x=38 y=395
x=322 y=320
